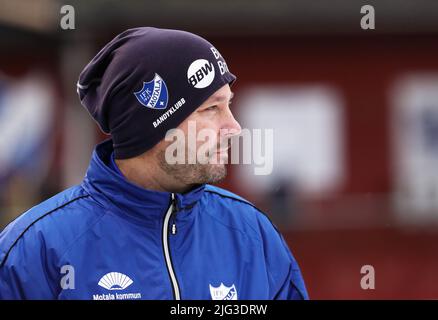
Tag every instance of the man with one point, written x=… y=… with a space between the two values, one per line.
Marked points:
x=141 y=225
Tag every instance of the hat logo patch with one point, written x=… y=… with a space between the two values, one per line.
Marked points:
x=154 y=93
x=200 y=73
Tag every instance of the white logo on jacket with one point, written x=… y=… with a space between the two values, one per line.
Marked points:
x=116 y=281
x=223 y=292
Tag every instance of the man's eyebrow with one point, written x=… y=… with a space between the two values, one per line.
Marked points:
x=221 y=98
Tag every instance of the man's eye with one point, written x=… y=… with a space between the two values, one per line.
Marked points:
x=212 y=108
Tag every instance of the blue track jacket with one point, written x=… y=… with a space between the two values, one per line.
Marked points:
x=108 y=239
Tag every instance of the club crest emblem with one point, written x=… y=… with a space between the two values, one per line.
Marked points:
x=154 y=94
x=223 y=292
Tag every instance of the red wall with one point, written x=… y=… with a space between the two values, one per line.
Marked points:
x=363 y=69
x=405 y=262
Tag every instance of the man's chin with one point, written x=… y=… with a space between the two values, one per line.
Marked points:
x=214 y=173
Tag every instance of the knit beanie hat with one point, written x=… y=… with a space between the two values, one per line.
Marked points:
x=148 y=80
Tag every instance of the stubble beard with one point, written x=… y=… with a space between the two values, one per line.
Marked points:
x=193 y=174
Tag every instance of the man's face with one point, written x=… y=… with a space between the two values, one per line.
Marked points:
x=211 y=125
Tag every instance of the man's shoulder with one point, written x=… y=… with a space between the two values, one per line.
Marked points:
x=226 y=194
x=45 y=218
x=237 y=212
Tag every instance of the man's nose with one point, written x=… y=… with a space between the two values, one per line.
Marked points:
x=231 y=125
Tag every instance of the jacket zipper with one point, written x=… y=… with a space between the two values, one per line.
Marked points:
x=165 y=234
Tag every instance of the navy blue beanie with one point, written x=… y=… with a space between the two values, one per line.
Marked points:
x=148 y=80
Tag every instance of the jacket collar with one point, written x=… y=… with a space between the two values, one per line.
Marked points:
x=112 y=190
